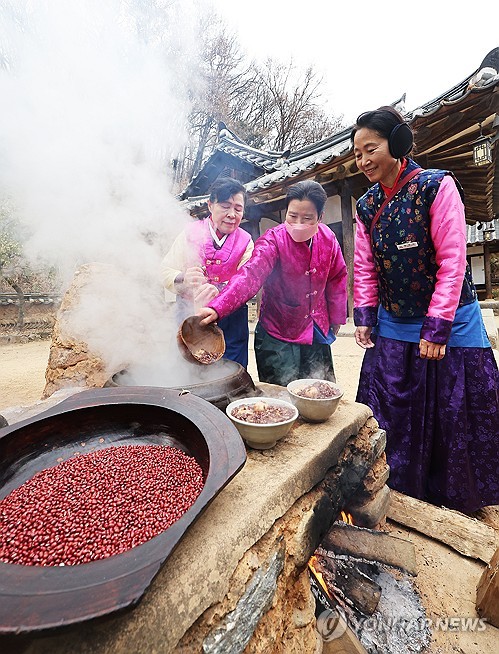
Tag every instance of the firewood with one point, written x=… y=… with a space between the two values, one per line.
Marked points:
x=487 y=594
x=351 y=581
x=374 y=545
x=345 y=643
x=466 y=535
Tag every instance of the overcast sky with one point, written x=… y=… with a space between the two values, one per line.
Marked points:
x=370 y=53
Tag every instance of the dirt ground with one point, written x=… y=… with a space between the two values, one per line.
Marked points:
x=446 y=580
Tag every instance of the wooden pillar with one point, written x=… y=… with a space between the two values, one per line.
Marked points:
x=254 y=227
x=348 y=242
x=487 y=271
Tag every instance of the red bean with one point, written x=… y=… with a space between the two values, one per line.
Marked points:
x=96 y=505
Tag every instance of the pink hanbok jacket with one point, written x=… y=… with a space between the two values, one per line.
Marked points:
x=301 y=285
x=220 y=264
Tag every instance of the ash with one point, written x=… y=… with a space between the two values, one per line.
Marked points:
x=399 y=624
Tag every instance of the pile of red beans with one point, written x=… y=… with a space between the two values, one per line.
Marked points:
x=96 y=505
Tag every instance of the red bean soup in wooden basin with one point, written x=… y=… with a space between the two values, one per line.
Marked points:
x=96 y=492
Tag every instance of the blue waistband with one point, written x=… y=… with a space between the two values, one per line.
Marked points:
x=321 y=339
x=468 y=329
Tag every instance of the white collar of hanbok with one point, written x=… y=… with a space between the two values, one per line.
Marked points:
x=216 y=240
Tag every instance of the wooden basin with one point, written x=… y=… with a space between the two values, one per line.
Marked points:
x=34 y=598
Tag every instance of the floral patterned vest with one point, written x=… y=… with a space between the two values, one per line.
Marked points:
x=406 y=272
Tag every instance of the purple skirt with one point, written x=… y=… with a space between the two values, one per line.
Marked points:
x=441 y=420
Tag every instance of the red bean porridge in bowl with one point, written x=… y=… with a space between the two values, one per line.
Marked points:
x=262 y=421
x=319 y=390
x=315 y=399
x=263 y=413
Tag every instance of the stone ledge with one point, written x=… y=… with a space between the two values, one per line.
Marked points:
x=490 y=304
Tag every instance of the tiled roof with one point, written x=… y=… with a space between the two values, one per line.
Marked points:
x=194 y=203
x=339 y=144
x=229 y=143
x=281 y=168
x=471 y=84
x=299 y=164
x=232 y=144
x=31 y=298
x=278 y=167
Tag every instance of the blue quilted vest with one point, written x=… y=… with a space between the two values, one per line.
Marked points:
x=407 y=275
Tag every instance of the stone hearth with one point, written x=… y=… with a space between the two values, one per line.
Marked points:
x=238 y=580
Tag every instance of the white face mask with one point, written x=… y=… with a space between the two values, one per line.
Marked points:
x=302 y=232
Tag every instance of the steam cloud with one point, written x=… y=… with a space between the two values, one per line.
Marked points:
x=93 y=110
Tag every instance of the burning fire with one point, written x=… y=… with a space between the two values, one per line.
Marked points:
x=312 y=564
x=346 y=517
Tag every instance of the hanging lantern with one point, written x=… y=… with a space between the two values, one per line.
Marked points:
x=482 y=151
x=489 y=232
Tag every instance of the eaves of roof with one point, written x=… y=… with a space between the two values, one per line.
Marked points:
x=264 y=160
x=339 y=144
x=456 y=94
x=296 y=166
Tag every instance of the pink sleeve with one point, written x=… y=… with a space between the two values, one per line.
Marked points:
x=448 y=232
x=249 y=278
x=336 y=287
x=365 y=290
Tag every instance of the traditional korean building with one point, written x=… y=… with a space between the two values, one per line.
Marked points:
x=455 y=131
x=483 y=255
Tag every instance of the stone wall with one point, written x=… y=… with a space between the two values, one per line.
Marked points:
x=39 y=318
x=72 y=363
x=270 y=607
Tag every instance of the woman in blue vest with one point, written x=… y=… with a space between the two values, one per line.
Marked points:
x=429 y=374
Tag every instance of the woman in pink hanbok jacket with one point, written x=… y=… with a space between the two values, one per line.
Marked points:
x=429 y=373
x=301 y=268
x=205 y=256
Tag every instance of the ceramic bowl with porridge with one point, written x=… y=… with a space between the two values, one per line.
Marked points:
x=262 y=421
x=315 y=399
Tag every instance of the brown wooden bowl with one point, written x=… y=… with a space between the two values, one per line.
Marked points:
x=34 y=598
x=197 y=342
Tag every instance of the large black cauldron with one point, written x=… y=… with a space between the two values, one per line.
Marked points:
x=219 y=383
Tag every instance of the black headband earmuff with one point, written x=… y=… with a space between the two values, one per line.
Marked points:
x=400 y=141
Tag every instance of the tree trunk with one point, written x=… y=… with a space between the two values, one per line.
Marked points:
x=22 y=302
x=203 y=138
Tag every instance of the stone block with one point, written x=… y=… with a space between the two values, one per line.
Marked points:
x=373 y=511
x=378 y=441
x=375 y=479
